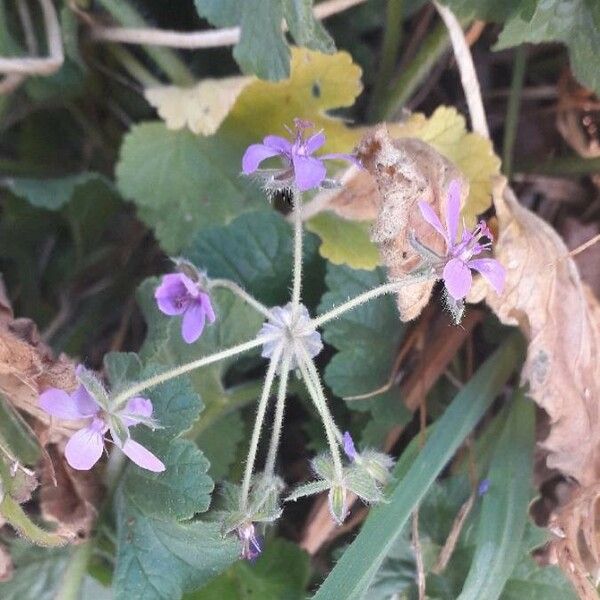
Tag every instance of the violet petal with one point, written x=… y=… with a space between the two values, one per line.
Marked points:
x=313 y=143
x=453 y=210
x=169 y=294
x=457 y=278
x=59 y=404
x=309 y=172
x=208 y=307
x=142 y=457
x=279 y=144
x=349 y=447
x=84 y=448
x=492 y=270
x=193 y=323
x=430 y=216
x=254 y=155
x=136 y=410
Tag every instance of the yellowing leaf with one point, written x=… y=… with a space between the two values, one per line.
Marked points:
x=318 y=82
x=201 y=108
x=344 y=242
x=474 y=155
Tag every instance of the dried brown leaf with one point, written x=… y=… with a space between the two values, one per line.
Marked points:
x=545 y=297
x=406 y=171
x=73 y=501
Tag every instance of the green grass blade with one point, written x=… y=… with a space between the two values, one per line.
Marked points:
x=355 y=570
x=504 y=510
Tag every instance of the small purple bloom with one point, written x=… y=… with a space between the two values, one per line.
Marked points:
x=84 y=448
x=301 y=166
x=251 y=547
x=179 y=295
x=459 y=259
x=483 y=487
x=349 y=448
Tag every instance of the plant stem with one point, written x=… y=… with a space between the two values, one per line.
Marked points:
x=279 y=412
x=401 y=90
x=260 y=416
x=315 y=391
x=242 y=293
x=166 y=59
x=297 y=280
x=134 y=67
x=392 y=38
x=562 y=165
x=187 y=367
x=386 y=288
x=72 y=579
x=512 y=111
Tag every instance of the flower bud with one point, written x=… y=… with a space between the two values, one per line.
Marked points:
x=338 y=505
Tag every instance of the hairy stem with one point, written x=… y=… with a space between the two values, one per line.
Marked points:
x=260 y=417
x=386 y=288
x=297 y=278
x=187 y=367
x=315 y=390
x=279 y=412
x=242 y=293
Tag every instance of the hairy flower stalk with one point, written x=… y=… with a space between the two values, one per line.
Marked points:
x=289 y=339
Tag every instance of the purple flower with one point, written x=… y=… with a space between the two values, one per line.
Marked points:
x=349 y=447
x=84 y=448
x=301 y=166
x=179 y=295
x=483 y=487
x=251 y=547
x=459 y=255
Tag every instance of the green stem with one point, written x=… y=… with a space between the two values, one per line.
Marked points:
x=165 y=58
x=297 y=277
x=400 y=91
x=72 y=579
x=258 y=424
x=186 y=368
x=134 y=67
x=386 y=288
x=279 y=412
x=242 y=293
x=315 y=391
x=565 y=165
x=512 y=112
x=392 y=37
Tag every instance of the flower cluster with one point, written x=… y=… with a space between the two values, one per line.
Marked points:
x=290 y=341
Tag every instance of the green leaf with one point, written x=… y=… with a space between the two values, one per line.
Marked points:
x=345 y=242
x=367 y=339
x=262 y=49
x=490 y=10
x=533 y=582
x=39 y=574
x=182 y=490
x=281 y=573
x=194 y=180
x=161 y=559
x=555 y=21
x=504 y=512
x=53 y=194
x=255 y=251
x=19 y=439
x=354 y=572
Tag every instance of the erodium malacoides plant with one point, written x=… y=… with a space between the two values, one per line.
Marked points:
x=290 y=341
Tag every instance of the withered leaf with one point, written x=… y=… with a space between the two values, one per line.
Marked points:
x=72 y=502
x=545 y=297
x=406 y=171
